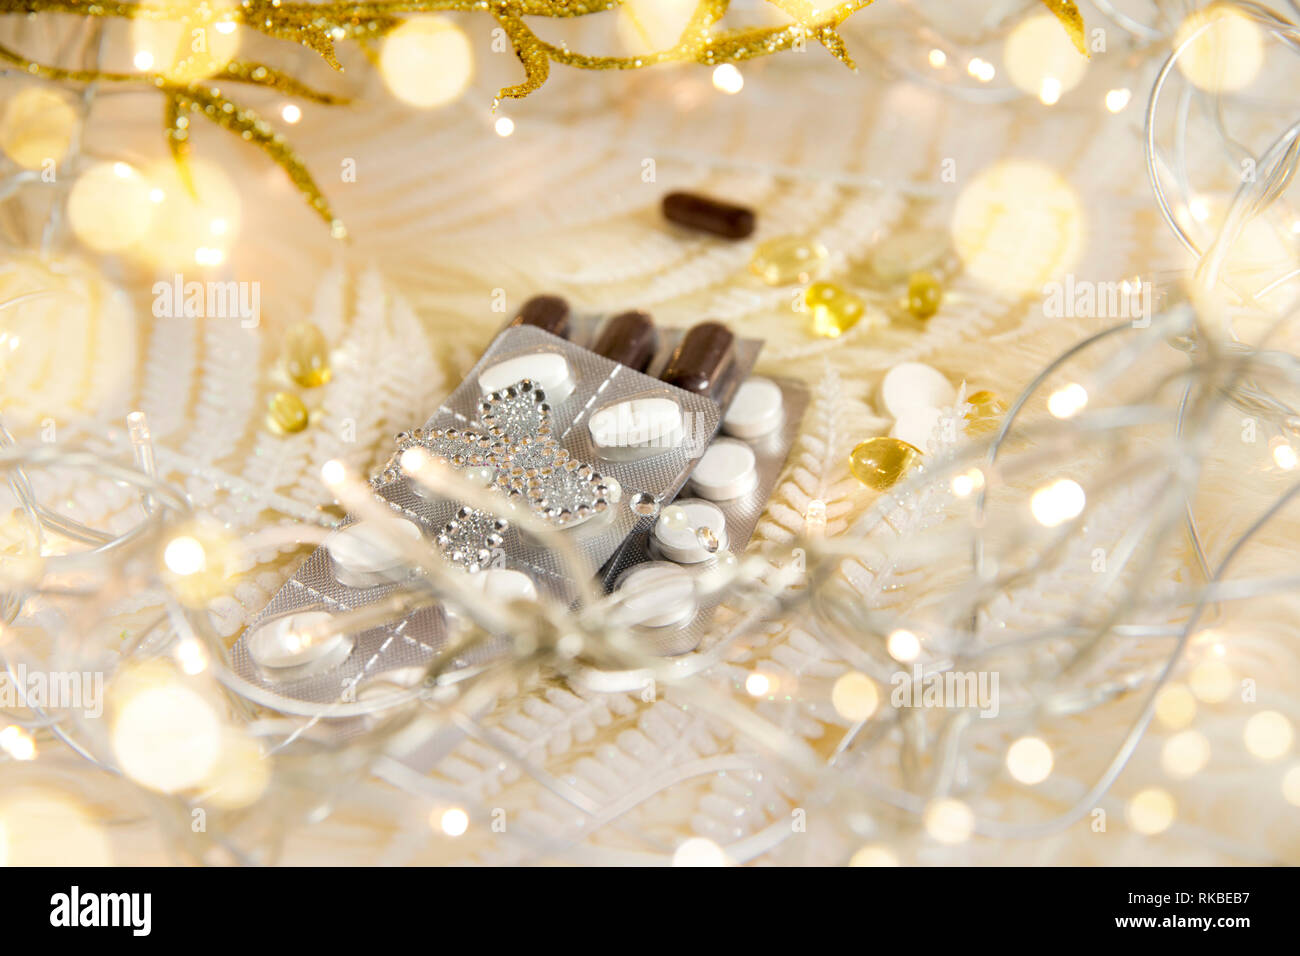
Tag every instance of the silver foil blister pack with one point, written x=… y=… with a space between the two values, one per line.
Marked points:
x=645 y=485
x=741 y=514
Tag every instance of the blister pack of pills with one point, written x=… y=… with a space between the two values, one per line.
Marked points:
x=659 y=571
x=587 y=443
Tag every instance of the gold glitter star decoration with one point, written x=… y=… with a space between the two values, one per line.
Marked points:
x=190 y=90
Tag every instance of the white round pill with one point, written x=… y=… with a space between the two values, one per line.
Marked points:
x=291 y=643
x=915 y=385
x=503 y=585
x=363 y=552
x=727 y=470
x=655 y=594
x=756 y=409
x=684 y=541
x=916 y=427
x=548 y=370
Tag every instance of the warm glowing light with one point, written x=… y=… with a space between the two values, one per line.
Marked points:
x=108 y=207
x=1284 y=456
x=854 y=696
x=982 y=70
x=1067 y=401
x=1291 y=786
x=728 y=79
x=647 y=26
x=756 y=685
x=1199 y=209
x=167 y=737
x=181 y=232
x=1018 y=225
x=1029 y=760
x=1040 y=59
x=1061 y=501
x=241 y=775
x=41 y=827
x=453 y=822
x=37 y=127
x=1185 y=754
x=504 y=126
x=1211 y=680
x=938 y=59
x=903 y=646
x=873 y=855
x=191 y=655
x=1226 y=55
x=1150 y=811
x=411 y=461
x=291 y=113
x=17 y=743
x=967 y=482
x=184 y=555
x=1116 y=100
x=949 y=821
x=186 y=41
x=698 y=851
x=1175 y=706
x=427 y=61
x=333 y=472
x=1268 y=735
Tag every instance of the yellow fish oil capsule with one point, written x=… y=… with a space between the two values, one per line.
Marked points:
x=787 y=260
x=834 y=310
x=879 y=463
x=307 y=355
x=286 y=413
x=985 y=414
x=923 y=295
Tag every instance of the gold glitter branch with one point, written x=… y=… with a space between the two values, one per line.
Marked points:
x=321 y=26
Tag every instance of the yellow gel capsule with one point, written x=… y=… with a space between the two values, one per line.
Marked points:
x=285 y=413
x=787 y=260
x=880 y=462
x=923 y=295
x=834 y=310
x=307 y=355
x=985 y=414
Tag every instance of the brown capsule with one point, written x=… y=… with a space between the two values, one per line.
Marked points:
x=701 y=358
x=630 y=339
x=710 y=215
x=548 y=312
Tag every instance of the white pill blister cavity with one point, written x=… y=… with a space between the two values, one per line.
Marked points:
x=499 y=586
x=727 y=470
x=636 y=428
x=691 y=531
x=911 y=385
x=548 y=370
x=297 y=645
x=655 y=594
x=757 y=409
x=364 y=554
x=916 y=427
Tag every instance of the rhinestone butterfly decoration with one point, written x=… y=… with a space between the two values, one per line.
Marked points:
x=527 y=462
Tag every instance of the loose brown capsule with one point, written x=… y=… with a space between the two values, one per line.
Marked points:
x=710 y=215
x=548 y=312
x=701 y=358
x=629 y=339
